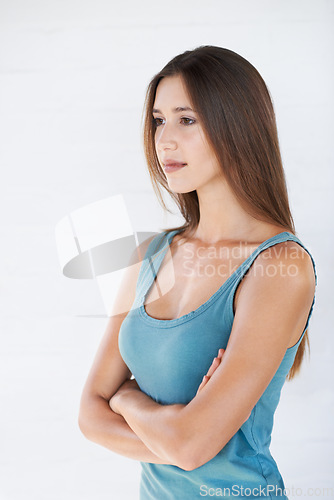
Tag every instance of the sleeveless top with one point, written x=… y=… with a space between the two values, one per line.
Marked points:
x=168 y=359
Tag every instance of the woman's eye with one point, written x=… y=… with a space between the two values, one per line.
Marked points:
x=187 y=121
x=157 y=121
x=184 y=120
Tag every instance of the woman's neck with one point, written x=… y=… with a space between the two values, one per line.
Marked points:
x=222 y=217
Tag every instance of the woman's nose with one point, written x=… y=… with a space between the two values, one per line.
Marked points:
x=165 y=138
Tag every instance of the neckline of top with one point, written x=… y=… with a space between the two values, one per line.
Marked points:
x=165 y=323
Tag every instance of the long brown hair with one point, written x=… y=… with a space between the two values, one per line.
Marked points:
x=238 y=118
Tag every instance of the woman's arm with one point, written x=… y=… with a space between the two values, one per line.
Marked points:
x=97 y=421
x=131 y=385
x=271 y=314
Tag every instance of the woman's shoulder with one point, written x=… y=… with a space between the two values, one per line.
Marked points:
x=287 y=262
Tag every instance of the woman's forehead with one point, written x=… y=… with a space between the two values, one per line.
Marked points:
x=171 y=94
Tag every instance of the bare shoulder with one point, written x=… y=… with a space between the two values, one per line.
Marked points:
x=276 y=296
x=281 y=275
x=286 y=262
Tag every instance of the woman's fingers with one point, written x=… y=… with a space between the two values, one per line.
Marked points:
x=203 y=383
x=214 y=365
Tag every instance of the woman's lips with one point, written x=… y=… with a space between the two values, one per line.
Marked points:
x=173 y=167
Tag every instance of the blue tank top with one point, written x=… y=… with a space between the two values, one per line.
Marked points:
x=168 y=358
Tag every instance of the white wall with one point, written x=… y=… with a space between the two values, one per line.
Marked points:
x=72 y=80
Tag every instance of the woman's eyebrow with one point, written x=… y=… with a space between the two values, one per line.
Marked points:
x=175 y=110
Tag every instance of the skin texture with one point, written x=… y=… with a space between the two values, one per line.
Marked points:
x=271 y=309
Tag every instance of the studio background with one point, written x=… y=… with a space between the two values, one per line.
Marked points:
x=73 y=76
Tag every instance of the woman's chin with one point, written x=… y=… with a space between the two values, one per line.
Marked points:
x=176 y=187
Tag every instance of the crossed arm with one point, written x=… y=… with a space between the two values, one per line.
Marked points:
x=141 y=413
x=271 y=314
x=96 y=419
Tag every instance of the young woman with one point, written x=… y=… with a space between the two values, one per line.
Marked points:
x=214 y=319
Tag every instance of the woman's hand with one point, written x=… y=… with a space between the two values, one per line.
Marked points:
x=128 y=385
x=215 y=363
x=131 y=384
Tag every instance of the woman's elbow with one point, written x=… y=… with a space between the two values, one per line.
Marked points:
x=189 y=464
x=193 y=452
x=187 y=453
x=83 y=423
x=88 y=412
x=191 y=461
x=187 y=460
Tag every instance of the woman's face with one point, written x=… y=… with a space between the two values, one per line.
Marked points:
x=180 y=138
